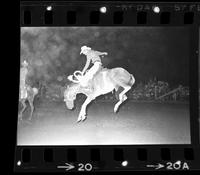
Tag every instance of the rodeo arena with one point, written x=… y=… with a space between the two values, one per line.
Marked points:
x=152 y=109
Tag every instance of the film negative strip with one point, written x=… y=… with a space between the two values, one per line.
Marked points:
x=108 y=86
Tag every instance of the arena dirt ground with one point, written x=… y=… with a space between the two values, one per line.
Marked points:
x=135 y=123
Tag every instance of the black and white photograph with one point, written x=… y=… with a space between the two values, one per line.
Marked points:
x=104 y=86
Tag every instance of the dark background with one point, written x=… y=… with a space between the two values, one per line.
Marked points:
x=146 y=52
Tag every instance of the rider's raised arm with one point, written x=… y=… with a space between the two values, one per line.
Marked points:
x=101 y=53
x=86 y=65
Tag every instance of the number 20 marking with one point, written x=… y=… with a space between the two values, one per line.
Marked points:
x=86 y=167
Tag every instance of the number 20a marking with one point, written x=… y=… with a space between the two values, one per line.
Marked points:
x=84 y=167
x=177 y=165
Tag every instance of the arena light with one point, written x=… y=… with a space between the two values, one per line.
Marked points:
x=49 y=8
x=156 y=9
x=103 y=9
x=19 y=163
x=125 y=163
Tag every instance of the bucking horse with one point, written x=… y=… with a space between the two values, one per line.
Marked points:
x=103 y=82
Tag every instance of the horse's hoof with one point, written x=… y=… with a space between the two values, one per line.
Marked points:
x=78 y=120
x=115 y=110
x=28 y=121
x=84 y=118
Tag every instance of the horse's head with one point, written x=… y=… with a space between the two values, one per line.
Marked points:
x=70 y=95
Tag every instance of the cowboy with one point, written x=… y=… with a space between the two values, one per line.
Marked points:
x=23 y=75
x=94 y=58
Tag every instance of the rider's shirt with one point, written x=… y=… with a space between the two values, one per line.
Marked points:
x=23 y=86
x=92 y=56
x=23 y=74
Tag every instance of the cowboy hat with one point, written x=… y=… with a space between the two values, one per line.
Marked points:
x=84 y=48
x=25 y=63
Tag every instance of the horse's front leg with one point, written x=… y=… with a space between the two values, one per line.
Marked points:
x=82 y=114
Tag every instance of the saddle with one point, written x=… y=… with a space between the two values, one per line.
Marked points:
x=89 y=86
x=84 y=82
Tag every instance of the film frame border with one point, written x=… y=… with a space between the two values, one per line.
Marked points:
x=111 y=157
x=89 y=14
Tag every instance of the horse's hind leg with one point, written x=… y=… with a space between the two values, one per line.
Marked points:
x=122 y=98
x=32 y=107
x=24 y=107
x=126 y=89
x=119 y=103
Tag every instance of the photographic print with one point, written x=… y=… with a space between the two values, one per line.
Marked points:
x=104 y=86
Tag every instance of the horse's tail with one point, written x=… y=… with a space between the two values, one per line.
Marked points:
x=131 y=80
